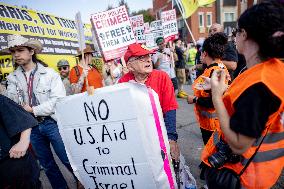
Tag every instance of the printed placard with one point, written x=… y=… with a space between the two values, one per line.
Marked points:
x=113 y=31
x=58 y=35
x=156 y=30
x=111 y=148
x=147 y=27
x=137 y=23
x=169 y=25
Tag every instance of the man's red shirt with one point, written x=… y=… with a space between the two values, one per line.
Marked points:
x=160 y=82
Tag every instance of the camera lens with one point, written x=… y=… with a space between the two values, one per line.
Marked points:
x=217 y=160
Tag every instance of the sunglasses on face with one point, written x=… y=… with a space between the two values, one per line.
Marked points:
x=63 y=68
x=235 y=31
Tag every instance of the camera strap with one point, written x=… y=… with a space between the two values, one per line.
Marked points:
x=251 y=158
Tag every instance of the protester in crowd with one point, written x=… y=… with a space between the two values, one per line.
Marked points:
x=212 y=52
x=63 y=67
x=85 y=72
x=230 y=57
x=112 y=71
x=140 y=68
x=38 y=89
x=18 y=168
x=163 y=60
x=198 y=66
x=249 y=140
x=190 y=61
x=108 y=80
x=180 y=68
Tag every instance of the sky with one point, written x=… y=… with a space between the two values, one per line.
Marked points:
x=68 y=8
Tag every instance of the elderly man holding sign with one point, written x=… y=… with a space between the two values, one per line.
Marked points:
x=138 y=60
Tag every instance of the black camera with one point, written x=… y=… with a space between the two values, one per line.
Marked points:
x=223 y=155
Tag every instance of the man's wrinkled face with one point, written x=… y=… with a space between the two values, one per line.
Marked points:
x=215 y=28
x=22 y=55
x=141 y=64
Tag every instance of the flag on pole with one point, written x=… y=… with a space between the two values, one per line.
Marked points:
x=205 y=2
x=187 y=7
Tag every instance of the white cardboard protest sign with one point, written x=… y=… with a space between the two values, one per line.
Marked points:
x=80 y=31
x=113 y=140
x=137 y=23
x=114 y=32
x=156 y=30
x=147 y=27
x=169 y=25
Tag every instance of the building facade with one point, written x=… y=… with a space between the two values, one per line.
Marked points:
x=199 y=22
x=225 y=12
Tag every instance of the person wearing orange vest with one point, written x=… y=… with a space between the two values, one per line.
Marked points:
x=85 y=71
x=251 y=110
x=212 y=52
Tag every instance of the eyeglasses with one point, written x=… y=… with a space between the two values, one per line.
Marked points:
x=144 y=58
x=63 y=68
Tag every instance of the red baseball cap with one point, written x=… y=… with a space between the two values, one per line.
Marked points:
x=135 y=50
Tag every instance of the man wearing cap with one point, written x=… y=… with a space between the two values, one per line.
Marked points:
x=84 y=72
x=163 y=60
x=64 y=69
x=138 y=60
x=38 y=89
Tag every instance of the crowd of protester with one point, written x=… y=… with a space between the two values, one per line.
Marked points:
x=238 y=99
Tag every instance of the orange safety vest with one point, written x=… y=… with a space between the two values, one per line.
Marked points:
x=206 y=117
x=265 y=168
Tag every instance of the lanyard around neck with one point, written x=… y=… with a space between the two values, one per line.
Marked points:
x=30 y=83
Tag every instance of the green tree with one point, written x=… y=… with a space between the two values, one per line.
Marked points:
x=146 y=15
x=109 y=7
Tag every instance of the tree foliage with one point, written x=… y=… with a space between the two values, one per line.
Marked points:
x=146 y=15
x=123 y=2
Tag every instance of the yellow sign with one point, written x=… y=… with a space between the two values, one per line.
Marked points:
x=58 y=35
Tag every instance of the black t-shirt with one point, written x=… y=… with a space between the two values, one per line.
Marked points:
x=231 y=53
x=181 y=62
x=252 y=110
x=241 y=65
x=13 y=120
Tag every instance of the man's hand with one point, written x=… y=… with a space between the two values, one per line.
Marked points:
x=28 y=108
x=19 y=149
x=174 y=149
x=190 y=99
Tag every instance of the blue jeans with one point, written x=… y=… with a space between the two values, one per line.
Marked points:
x=42 y=135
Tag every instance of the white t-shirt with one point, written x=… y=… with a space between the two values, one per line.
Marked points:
x=166 y=63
